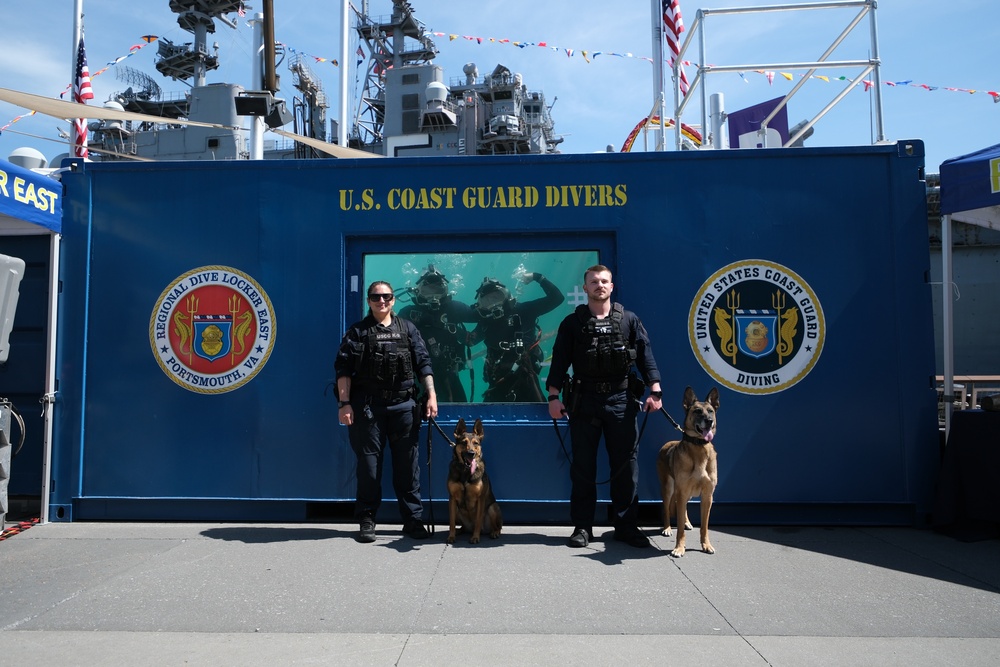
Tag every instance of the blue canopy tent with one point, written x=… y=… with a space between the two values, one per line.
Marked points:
x=27 y=199
x=30 y=229
x=970 y=193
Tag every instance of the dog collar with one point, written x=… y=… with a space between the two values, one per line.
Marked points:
x=693 y=440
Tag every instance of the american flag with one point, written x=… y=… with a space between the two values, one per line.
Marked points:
x=361 y=55
x=241 y=10
x=674 y=25
x=81 y=93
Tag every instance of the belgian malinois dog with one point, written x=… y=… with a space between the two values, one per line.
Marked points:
x=471 y=500
x=688 y=468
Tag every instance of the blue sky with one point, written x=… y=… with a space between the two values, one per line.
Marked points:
x=598 y=100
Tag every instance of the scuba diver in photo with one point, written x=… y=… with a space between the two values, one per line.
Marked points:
x=512 y=336
x=440 y=319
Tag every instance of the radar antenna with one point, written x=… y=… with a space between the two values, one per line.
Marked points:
x=141 y=86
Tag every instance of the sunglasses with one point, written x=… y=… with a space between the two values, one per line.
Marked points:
x=381 y=297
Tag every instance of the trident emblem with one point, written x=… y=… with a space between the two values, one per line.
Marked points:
x=724 y=327
x=183 y=328
x=788 y=326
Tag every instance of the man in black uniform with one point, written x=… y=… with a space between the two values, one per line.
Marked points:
x=602 y=342
x=512 y=336
x=377 y=365
x=441 y=319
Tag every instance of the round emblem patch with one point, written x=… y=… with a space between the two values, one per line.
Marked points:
x=756 y=327
x=212 y=329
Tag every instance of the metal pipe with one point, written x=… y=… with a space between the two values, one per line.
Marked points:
x=257 y=78
x=948 y=390
x=702 y=58
x=270 y=76
x=659 y=87
x=77 y=36
x=800 y=65
x=824 y=110
x=879 y=126
x=826 y=54
x=786 y=8
x=342 y=105
x=48 y=399
x=718 y=116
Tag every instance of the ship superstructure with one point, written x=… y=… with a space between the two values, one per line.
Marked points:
x=407 y=108
x=204 y=102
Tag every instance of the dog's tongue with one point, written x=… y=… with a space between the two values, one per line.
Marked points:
x=709 y=435
x=472 y=468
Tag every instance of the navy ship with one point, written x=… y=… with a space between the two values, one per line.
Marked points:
x=406 y=108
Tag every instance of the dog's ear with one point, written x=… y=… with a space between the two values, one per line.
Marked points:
x=460 y=427
x=713 y=398
x=690 y=398
x=477 y=428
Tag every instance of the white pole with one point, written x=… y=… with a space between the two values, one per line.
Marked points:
x=718 y=118
x=877 y=78
x=53 y=306
x=48 y=400
x=948 y=316
x=344 y=66
x=77 y=32
x=659 y=97
x=257 y=83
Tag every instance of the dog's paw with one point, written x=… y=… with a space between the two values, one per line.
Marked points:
x=451 y=538
x=474 y=539
x=707 y=548
x=495 y=534
x=688 y=526
x=678 y=552
x=666 y=532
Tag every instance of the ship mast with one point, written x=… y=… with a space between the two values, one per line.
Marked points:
x=387 y=47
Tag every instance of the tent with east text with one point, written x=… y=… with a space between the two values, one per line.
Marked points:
x=30 y=230
x=28 y=200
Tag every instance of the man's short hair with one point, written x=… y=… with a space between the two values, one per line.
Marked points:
x=596 y=268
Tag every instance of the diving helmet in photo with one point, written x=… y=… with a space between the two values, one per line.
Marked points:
x=492 y=299
x=431 y=289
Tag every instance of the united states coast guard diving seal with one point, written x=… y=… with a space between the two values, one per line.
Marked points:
x=212 y=329
x=756 y=327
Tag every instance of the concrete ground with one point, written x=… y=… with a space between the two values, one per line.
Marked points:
x=263 y=594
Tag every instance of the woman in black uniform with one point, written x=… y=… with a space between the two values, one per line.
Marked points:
x=379 y=362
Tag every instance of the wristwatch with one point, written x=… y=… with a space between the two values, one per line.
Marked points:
x=656 y=394
x=344 y=403
x=554 y=397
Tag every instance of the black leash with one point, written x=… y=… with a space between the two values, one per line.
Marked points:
x=430 y=510
x=667 y=415
x=572 y=463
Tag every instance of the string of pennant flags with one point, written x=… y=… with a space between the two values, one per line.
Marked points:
x=134 y=49
x=588 y=56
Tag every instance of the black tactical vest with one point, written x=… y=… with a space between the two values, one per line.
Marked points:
x=385 y=358
x=602 y=351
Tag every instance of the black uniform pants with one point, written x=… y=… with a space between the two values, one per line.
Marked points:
x=399 y=427
x=615 y=416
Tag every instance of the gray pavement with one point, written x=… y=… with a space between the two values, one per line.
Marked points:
x=307 y=594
